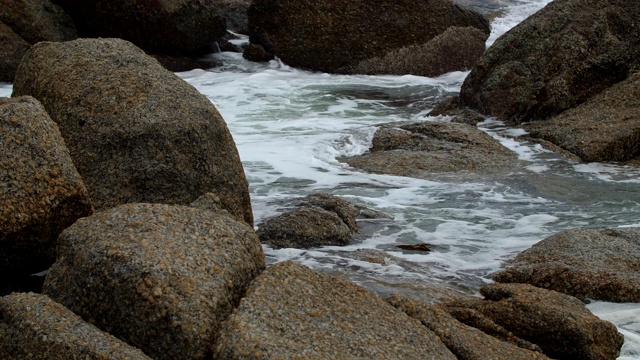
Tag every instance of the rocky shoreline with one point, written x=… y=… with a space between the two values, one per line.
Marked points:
x=125 y=183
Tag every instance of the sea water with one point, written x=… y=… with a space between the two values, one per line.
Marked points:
x=292 y=126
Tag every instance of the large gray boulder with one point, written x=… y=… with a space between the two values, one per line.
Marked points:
x=556 y=59
x=160 y=277
x=595 y=264
x=184 y=27
x=336 y=36
x=136 y=132
x=291 y=311
x=12 y=49
x=37 y=20
x=33 y=326
x=41 y=192
x=605 y=128
x=422 y=149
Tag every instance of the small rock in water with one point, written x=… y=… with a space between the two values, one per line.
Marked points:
x=415 y=247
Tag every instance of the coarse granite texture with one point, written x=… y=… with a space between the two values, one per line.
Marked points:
x=161 y=277
x=32 y=326
x=136 y=132
x=586 y=263
x=12 y=49
x=303 y=228
x=344 y=209
x=37 y=20
x=293 y=312
x=560 y=324
x=464 y=341
x=41 y=192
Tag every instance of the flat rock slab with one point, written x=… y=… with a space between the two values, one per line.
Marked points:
x=595 y=264
x=33 y=326
x=161 y=277
x=424 y=148
x=293 y=312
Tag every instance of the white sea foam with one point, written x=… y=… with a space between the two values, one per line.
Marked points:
x=626 y=317
x=5 y=89
x=513 y=16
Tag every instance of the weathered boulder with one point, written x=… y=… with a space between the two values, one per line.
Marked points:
x=184 y=27
x=458 y=113
x=41 y=192
x=421 y=149
x=556 y=59
x=257 y=53
x=304 y=227
x=456 y=49
x=605 y=128
x=290 y=309
x=560 y=324
x=33 y=326
x=160 y=277
x=335 y=35
x=37 y=20
x=595 y=264
x=136 y=132
x=463 y=341
x=12 y=49
x=344 y=209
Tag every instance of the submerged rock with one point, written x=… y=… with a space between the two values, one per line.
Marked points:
x=290 y=309
x=136 y=132
x=336 y=36
x=160 y=277
x=556 y=59
x=41 y=192
x=595 y=264
x=33 y=326
x=421 y=149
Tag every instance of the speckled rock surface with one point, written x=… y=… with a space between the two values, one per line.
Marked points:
x=458 y=113
x=344 y=209
x=463 y=341
x=160 y=277
x=303 y=228
x=456 y=49
x=595 y=264
x=516 y=79
x=12 y=48
x=41 y=192
x=420 y=149
x=33 y=326
x=136 y=132
x=174 y=27
x=605 y=128
x=335 y=35
x=292 y=312
x=37 y=20
x=560 y=324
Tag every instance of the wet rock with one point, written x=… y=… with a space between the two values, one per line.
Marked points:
x=560 y=324
x=344 y=209
x=178 y=27
x=37 y=20
x=176 y=63
x=303 y=228
x=290 y=309
x=415 y=247
x=465 y=342
x=257 y=53
x=591 y=49
x=160 y=277
x=605 y=128
x=335 y=36
x=459 y=113
x=41 y=192
x=420 y=149
x=136 y=132
x=370 y=255
x=595 y=264
x=234 y=12
x=456 y=49
x=12 y=49
x=33 y=326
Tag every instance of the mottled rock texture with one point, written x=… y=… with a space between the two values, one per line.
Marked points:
x=595 y=264
x=160 y=277
x=463 y=341
x=336 y=35
x=41 y=192
x=344 y=209
x=33 y=326
x=37 y=20
x=234 y=12
x=556 y=59
x=293 y=312
x=560 y=324
x=184 y=27
x=12 y=49
x=421 y=149
x=136 y=132
x=605 y=128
